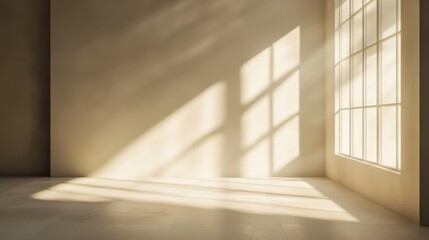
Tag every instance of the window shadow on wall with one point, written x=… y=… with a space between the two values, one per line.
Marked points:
x=184 y=88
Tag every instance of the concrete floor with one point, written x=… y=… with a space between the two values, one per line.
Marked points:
x=224 y=208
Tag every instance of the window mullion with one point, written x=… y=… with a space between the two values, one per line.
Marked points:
x=378 y=85
x=351 y=32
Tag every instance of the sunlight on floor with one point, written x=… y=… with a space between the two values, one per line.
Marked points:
x=293 y=197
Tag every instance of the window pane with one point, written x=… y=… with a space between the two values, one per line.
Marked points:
x=337 y=88
x=337 y=46
x=345 y=40
x=371 y=134
x=399 y=142
x=371 y=23
x=357 y=4
x=337 y=133
x=371 y=76
x=345 y=10
x=388 y=71
x=345 y=84
x=398 y=68
x=388 y=136
x=357 y=80
x=388 y=18
x=357 y=133
x=337 y=13
x=345 y=132
x=357 y=32
x=368 y=80
x=399 y=15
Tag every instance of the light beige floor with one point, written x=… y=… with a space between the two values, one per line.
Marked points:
x=224 y=208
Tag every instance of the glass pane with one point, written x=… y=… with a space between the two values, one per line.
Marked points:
x=398 y=68
x=371 y=76
x=371 y=23
x=337 y=88
x=345 y=132
x=388 y=136
x=357 y=32
x=399 y=143
x=345 y=40
x=357 y=80
x=345 y=84
x=337 y=46
x=357 y=4
x=399 y=16
x=337 y=13
x=370 y=134
x=337 y=133
x=357 y=133
x=388 y=71
x=345 y=10
x=388 y=18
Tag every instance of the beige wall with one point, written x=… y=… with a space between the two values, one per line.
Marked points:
x=187 y=88
x=424 y=114
x=397 y=191
x=24 y=87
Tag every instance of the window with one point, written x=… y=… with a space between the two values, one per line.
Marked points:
x=368 y=81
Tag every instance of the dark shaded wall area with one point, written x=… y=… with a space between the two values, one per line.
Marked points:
x=24 y=87
x=424 y=113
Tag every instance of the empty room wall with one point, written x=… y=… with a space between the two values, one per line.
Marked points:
x=424 y=114
x=397 y=190
x=24 y=87
x=187 y=88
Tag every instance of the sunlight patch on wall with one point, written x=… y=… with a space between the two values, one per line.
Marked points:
x=254 y=162
x=286 y=54
x=255 y=76
x=186 y=143
x=270 y=122
x=203 y=160
x=255 y=122
x=286 y=144
x=286 y=99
